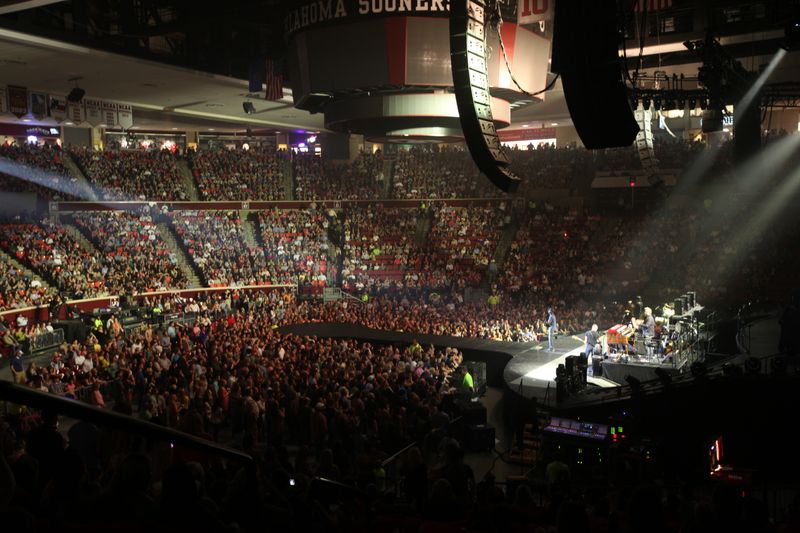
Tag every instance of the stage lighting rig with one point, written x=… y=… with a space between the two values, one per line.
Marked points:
x=665 y=92
x=721 y=75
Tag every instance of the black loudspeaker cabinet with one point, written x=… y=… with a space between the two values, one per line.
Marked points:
x=471 y=84
x=571 y=362
x=474 y=414
x=478 y=438
x=597 y=365
x=586 y=55
x=576 y=372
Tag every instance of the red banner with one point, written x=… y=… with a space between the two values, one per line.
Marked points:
x=18 y=100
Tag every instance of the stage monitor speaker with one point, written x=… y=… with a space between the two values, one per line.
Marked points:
x=471 y=84
x=586 y=55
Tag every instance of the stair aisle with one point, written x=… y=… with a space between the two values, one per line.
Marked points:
x=188 y=178
x=185 y=263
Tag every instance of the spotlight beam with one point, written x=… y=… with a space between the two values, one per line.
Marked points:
x=766 y=214
x=39 y=177
x=751 y=93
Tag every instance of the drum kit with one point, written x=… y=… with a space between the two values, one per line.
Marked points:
x=679 y=327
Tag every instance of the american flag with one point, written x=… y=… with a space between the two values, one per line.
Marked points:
x=274 y=80
x=651 y=5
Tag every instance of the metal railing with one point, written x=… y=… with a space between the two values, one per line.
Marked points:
x=45 y=340
x=24 y=395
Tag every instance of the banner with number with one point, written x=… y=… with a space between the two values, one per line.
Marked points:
x=18 y=100
x=76 y=113
x=110 y=114
x=124 y=116
x=531 y=11
x=58 y=107
x=94 y=111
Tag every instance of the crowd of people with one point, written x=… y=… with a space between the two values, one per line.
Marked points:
x=462 y=242
x=318 y=179
x=229 y=374
x=29 y=168
x=216 y=243
x=342 y=406
x=18 y=290
x=296 y=247
x=135 y=258
x=547 y=167
x=579 y=260
x=449 y=173
x=255 y=174
x=47 y=248
x=258 y=173
x=439 y=247
x=132 y=174
x=380 y=245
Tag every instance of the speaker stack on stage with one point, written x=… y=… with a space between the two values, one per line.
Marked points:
x=471 y=84
x=576 y=372
x=586 y=55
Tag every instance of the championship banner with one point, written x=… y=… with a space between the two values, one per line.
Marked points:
x=18 y=100
x=110 y=114
x=124 y=116
x=58 y=107
x=76 y=113
x=39 y=105
x=531 y=11
x=3 y=100
x=94 y=111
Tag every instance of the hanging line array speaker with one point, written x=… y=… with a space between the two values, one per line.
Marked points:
x=586 y=54
x=471 y=83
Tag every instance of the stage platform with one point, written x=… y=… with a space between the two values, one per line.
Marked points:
x=525 y=367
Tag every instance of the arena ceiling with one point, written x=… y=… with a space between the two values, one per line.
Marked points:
x=163 y=96
x=184 y=67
